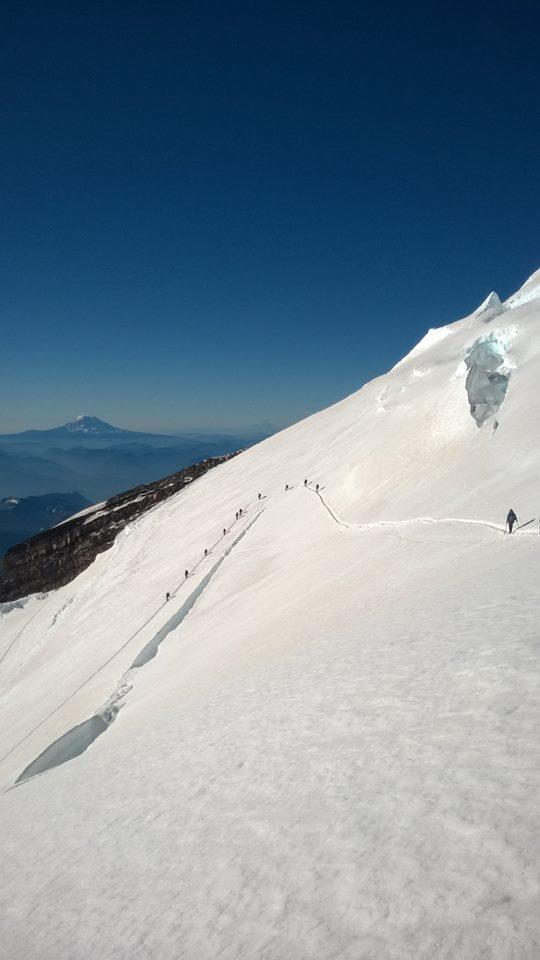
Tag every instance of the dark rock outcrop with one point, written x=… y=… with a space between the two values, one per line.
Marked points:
x=56 y=556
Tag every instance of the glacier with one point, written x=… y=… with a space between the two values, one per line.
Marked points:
x=325 y=743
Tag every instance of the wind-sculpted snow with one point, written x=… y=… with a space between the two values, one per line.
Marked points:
x=490 y=308
x=529 y=291
x=335 y=753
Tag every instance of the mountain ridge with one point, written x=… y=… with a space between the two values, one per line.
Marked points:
x=306 y=684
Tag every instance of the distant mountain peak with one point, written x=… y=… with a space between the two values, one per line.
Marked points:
x=86 y=423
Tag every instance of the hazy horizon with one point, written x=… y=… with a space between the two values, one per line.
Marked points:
x=137 y=428
x=226 y=215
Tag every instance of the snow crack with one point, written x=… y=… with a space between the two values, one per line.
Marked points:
x=76 y=740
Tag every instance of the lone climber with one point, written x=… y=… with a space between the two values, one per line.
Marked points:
x=511 y=520
x=167 y=596
x=224 y=532
x=305 y=483
x=317 y=488
x=205 y=552
x=186 y=574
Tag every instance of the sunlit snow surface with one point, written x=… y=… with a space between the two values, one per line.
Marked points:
x=334 y=753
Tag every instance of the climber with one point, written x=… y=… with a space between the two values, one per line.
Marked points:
x=240 y=512
x=186 y=574
x=511 y=520
x=224 y=532
x=286 y=486
x=317 y=488
x=259 y=496
x=305 y=483
x=237 y=514
x=205 y=552
x=167 y=596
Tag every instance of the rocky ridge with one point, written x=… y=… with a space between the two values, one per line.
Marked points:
x=56 y=556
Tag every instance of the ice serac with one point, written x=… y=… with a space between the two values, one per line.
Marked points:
x=325 y=741
x=487 y=378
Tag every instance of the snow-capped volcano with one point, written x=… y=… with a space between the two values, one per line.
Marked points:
x=80 y=428
x=323 y=743
x=90 y=424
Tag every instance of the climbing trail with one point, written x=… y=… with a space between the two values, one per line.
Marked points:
x=170 y=625
x=157 y=609
x=76 y=740
x=400 y=523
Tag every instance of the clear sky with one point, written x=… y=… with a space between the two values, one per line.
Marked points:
x=220 y=213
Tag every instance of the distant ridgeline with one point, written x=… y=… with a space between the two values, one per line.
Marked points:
x=100 y=460
x=24 y=517
x=55 y=557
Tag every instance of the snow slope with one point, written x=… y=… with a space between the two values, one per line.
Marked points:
x=324 y=744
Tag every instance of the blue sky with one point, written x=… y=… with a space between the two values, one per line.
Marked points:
x=215 y=214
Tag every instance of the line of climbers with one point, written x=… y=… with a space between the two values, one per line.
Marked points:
x=511 y=521
x=238 y=515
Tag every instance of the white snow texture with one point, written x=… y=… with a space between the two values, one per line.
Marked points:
x=325 y=744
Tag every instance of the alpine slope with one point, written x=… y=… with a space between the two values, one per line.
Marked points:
x=324 y=744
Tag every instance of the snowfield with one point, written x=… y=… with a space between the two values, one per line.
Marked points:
x=325 y=744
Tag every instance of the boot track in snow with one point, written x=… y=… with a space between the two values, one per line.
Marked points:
x=373 y=525
x=76 y=740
